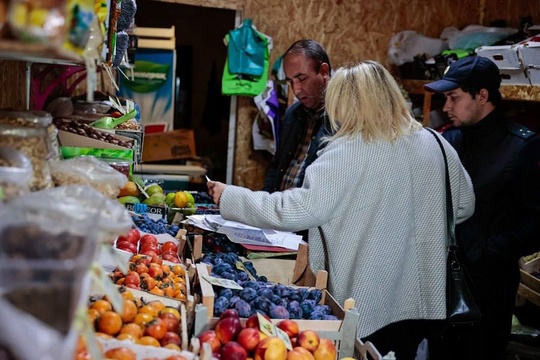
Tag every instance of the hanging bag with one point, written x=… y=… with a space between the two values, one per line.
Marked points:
x=460 y=305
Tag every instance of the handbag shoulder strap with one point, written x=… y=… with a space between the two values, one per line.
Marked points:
x=450 y=222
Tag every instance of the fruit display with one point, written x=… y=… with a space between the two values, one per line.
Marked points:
x=232 y=339
x=150 y=274
x=225 y=265
x=143 y=322
x=135 y=242
x=216 y=243
x=149 y=225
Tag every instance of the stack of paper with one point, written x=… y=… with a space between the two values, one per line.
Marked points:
x=245 y=234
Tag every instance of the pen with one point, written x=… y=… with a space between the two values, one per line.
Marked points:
x=207 y=178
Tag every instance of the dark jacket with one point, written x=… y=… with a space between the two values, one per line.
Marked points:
x=505 y=225
x=292 y=132
x=491 y=153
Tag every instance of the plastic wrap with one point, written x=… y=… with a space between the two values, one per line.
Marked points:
x=111 y=218
x=88 y=170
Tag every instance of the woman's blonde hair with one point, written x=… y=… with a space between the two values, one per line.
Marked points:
x=365 y=99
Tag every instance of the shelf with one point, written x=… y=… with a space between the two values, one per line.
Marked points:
x=38 y=53
x=508 y=92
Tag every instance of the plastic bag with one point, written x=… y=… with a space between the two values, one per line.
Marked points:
x=46 y=249
x=88 y=170
x=474 y=36
x=80 y=202
x=405 y=45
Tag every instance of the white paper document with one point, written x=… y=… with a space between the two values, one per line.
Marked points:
x=245 y=234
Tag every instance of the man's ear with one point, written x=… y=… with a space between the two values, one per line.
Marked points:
x=324 y=69
x=483 y=95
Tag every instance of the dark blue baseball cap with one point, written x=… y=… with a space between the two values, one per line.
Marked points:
x=471 y=69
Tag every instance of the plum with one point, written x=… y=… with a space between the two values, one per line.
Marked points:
x=295 y=310
x=234 y=300
x=243 y=308
x=316 y=315
x=222 y=268
x=263 y=303
x=226 y=292
x=252 y=284
x=229 y=275
x=275 y=299
x=307 y=306
x=330 y=317
x=262 y=279
x=278 y=312
x=248 y=293
x=265 y=292
x=315 y=294
x=242 y=276
x=295 y=295
x=325 y=309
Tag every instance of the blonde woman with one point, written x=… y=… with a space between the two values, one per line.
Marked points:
x=374 y=201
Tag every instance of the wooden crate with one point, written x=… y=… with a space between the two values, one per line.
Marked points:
x=529 y=287
x=342 y=332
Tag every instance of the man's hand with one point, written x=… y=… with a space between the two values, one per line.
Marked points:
x=215 y=189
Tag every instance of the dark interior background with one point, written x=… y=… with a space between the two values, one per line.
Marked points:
x=200 y=54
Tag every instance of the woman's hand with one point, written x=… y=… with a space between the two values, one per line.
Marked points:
x=215 y=189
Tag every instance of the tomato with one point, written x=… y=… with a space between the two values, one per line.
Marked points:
x=121 y=353
x=171 y=257
x=132 y=278
x=109 y=323
x=148 y=238
x=172 y=322
x=134 y=234
x=127 y=246
x=170 y=338
x=149 y=247
x=169 y=246
x=150 y=253
x=157 y=329
x=155 y=271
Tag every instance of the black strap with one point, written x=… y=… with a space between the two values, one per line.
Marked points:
x=450 y=223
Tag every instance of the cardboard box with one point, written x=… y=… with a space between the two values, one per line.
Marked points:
x=505 y=56
x=529 y=52
x=514 y=77
x=533 y=73
x=170 y=145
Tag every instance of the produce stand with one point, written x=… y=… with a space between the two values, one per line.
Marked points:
x=529 y=287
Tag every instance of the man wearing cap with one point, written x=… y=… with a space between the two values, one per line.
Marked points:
x=505 y=224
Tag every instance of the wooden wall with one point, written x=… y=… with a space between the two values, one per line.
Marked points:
x=351 y=30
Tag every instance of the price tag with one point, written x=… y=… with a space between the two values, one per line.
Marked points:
x=285 y=337
x=226 y=283
x=265 y=326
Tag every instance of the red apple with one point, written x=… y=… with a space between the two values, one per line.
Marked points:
x=249 y=338
x=326 y=350
x=290 y=327
x=233 y=351
x=170 y=338
x=210 y=337
x=299 y=353
x=271 y=348
x=253 y=321
x=227 y=329
x=229 y=313
x=308 y=339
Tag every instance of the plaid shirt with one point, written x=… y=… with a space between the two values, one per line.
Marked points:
x=297 y=167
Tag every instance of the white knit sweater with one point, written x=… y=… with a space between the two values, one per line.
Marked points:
x=381 y=208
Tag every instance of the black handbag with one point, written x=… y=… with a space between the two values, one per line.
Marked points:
x=461 y=308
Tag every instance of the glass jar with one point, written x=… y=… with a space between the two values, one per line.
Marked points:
x=34 y=143
x=15 y=173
